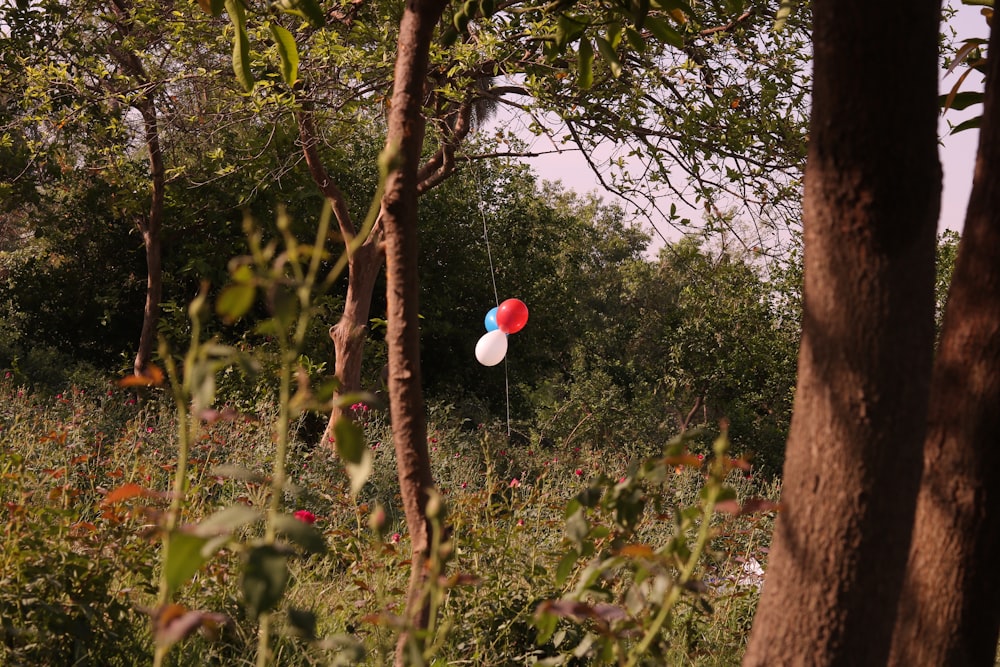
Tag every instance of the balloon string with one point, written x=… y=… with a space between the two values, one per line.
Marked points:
x=506 y=386
x=496 y=293
x=489 y=253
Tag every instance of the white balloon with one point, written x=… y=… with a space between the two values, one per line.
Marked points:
x=491 y=348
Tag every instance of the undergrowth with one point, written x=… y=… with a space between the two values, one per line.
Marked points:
x=78 y=574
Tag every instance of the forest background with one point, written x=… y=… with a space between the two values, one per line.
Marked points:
x=130 y=146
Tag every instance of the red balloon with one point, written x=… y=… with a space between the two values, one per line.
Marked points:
x=512 y=315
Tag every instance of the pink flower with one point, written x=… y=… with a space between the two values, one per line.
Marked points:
x=395 y=538
x=305 y=516
x=149 y=429
x=514 y=483
x=701 y=457
x=578 y=472
x=520 y=522
x=465 y=484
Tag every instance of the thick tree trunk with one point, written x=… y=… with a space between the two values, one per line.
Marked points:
x=949 y=612
x=151 y=238
x=399 y=209
x=872 y=193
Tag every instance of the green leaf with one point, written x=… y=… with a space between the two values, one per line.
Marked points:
x=614 y=34
x=233 y=471
x=585 y=64
x=265 y=576
x=568 y=28
x=577 y=527
x=635 y=40
x=962 y=100
x=350 y=440
x=784 y=11
x=226 y=520
x=566 y=565
x=360 y=472
x=241 y=45
x=288 y=52
x=234 y=301
x=184 y=558
x=546 y=625
x=971 y=124
x=609 y=55
x=312 y=11
x=663 y=32
x=358 y=461
x=302 y=622
x=305 y=535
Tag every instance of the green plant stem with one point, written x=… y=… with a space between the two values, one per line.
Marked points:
x=264 y=639
x=686 y=572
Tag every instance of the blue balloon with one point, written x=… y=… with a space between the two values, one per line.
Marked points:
x=491 y=320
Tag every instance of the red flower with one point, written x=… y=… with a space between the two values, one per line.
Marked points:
x=305 y=516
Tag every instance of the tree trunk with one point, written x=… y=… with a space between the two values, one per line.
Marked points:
x=872 y=194
x=399 y=208
x=949 y=612
x=151 y=238
x=351 y=331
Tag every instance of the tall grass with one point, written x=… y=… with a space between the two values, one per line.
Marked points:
x=79 y=575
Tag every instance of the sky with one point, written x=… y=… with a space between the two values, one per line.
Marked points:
x=957 y=151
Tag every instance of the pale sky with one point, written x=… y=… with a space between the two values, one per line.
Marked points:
x=957 y=151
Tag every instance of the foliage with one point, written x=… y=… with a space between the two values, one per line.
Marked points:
x=63 y=455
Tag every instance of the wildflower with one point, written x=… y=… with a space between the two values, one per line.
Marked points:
x=578 y=472
x=395 y=538
x=701 y=457
x=514 y=483
x=622 y=480
x=305 y=516
x=520 y=522
x=465 y=484
x=149 y=429
x=8 y=375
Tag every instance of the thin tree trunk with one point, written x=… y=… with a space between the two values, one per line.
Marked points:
x=872 y=194
x=151 y=238
x=399 y=207
x=949 y=613
x=351 y=331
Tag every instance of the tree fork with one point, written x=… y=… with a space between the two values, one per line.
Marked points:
x=854 y=456
x=948 y=613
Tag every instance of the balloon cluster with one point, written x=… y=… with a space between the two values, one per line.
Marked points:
x=507 y=318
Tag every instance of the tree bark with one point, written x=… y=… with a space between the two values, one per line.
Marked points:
x=151 y=228
x=399 y=218
x=949 y=612
x=351 y=330
x=152 y=224
x=872 y=194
